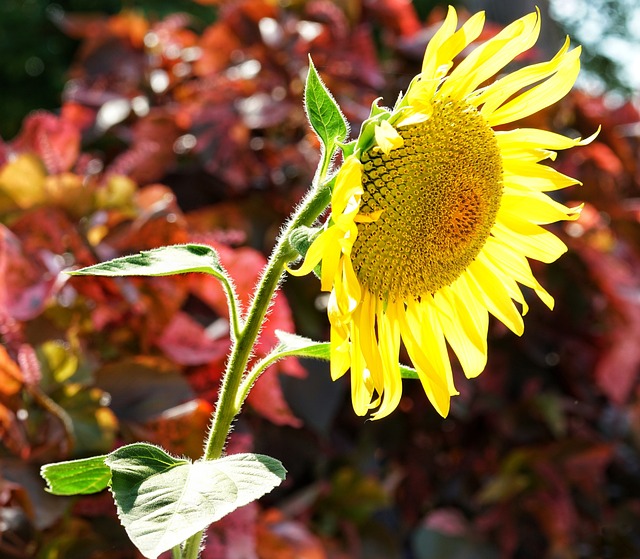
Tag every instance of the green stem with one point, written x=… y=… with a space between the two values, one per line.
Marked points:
x=246 y=335
x=191 y=548
x=283 y=253
x=234 y=315
x=250 y=378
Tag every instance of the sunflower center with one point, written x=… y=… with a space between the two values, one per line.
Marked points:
x=439 y=195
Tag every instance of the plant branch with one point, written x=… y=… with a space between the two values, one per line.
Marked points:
x=226 y=409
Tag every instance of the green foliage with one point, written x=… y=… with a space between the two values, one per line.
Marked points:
x=87 y=361
x=163 y=500
x=163 y=261
x=77 y=477
x=324 y=115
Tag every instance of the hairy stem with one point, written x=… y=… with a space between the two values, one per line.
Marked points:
x=246 y=334
x=282 y=254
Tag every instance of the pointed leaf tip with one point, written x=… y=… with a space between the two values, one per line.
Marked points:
x=323 y=112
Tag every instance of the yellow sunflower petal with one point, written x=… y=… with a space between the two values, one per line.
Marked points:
x=365 y=321
x=508 y=282
x=387 y=137
x=423 y=321
x=534 y=138
x=465 y=326
x=431 y=60
x=542 y=95
x=434 y=384
x=348 y=184
x=534 y=176
x=529 y=238
x=389 y=344
x=491 y=290
x=488 y=59
x=515 y=265
x=361 y=392
x=340 y=349
x=319 y=248
x=460 y=40
x=538 y=208
x=498 y=92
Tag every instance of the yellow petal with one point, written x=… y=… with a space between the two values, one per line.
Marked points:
x=489 y=58
x=387 y=137
x=433 y=383
x=490 y=289
x=537 y=207
x=504 y=88
x=348 y=185
x=423 y=321
x=389 y=344
x=360 y=389
x=531 y=138
x=529 y=238
x=318 y=248
x=431 y=61
x=365 y=322
x=534 y=176
x=461 y=39
x=465 y=325
x=340 y=351
x=542 y=95
x=514 y=264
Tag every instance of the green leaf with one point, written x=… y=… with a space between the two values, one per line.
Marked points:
x=162 y=500
x=323 y=112
x=294 y=345
x=163 y=261
x=77 y=477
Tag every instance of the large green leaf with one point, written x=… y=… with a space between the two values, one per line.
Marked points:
x=163 y=261
x=163 y=500
x=294 y=345
x=77 y=477
x=324 y=114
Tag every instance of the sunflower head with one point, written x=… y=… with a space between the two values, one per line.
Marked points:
x=435 y=213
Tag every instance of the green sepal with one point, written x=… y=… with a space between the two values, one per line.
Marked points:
x=302 y=237
x=348 y=149
x=377 y=114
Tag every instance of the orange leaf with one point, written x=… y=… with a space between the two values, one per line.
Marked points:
x=11 y=379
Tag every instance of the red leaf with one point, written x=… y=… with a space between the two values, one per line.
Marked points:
x=55 y=140
x=267 y=399
x=11 y=379
x=187 y=343
x=25 y=284
x=619 y=363
x=281 y=538
x=180 y=429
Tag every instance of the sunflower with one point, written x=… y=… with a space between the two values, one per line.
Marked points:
x=434 y=214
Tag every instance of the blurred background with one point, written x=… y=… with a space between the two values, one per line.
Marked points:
x=129 y=125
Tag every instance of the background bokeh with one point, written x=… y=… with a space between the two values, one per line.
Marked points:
x=129 y=125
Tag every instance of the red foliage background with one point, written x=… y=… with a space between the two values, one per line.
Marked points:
x=173 y=132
